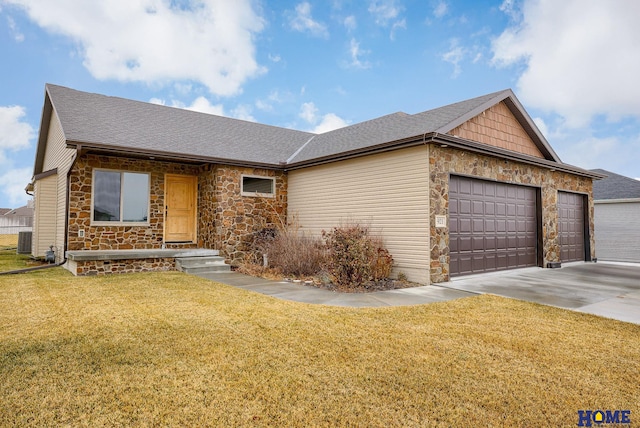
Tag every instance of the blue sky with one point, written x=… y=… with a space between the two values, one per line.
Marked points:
x=319 y=65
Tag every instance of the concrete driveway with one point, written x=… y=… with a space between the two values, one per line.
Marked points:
x=610 y=290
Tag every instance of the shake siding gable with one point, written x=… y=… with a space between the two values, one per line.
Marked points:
x=498 y=127
x=388 y=192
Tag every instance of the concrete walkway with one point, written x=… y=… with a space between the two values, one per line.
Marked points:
x=309 y=294
x=611 y=290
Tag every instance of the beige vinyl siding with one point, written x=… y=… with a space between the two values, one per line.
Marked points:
x=57 y=155
x=617 y=230
x=387 y=191
x=44 y=221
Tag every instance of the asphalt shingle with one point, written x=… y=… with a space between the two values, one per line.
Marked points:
x=615 y=186
x=122 y=123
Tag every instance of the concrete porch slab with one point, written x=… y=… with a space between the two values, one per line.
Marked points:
x=85 y=255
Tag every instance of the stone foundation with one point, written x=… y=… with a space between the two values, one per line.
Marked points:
x=103 y=267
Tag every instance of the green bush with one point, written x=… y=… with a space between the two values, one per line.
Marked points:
x=355 y=257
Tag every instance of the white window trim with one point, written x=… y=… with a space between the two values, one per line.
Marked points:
x=256 y=194
x=120 y=223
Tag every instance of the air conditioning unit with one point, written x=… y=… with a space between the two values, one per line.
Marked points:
x=24 y=242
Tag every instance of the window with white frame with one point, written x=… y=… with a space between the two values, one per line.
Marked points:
x=120 y=197
x=253 y=185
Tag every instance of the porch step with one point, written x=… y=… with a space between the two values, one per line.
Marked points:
x=203 y=264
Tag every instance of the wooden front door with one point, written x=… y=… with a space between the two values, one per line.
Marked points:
x=180 y=196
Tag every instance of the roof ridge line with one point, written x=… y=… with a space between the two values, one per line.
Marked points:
x=297 y=152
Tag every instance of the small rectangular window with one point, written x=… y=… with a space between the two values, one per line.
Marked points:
x=258 y=186
x=120 y=197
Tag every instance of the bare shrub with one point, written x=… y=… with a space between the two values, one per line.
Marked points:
x=295 y=254
x=288 y=251
x=355 y=257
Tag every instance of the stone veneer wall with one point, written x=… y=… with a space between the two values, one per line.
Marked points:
x=119 y=237
x=446 y=161
x=207 y=203
x=226 y=219
x=237 y=218
x=103 y=267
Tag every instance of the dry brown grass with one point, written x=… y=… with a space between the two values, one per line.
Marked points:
x=176 y=350
x=10 y=260
x=8 y=241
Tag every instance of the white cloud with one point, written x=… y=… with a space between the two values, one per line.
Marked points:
x=508 y=7
x=321 y=124
x=579 y=56
x=243 y=112
x=13 y=182
x=15 y=32
x=328 y=123
x=303 y=21
x=200 y=104
x=309 y=112
x=384 y=11
x=542 y=126
x=355 y=52
x=591 y=152
x=454 y=56
x=350 y=23
x=203 y=105
x=274 y=98
x=15 y=134
x=387 y=12
x=156 y=41
x=440 y=9
x=401 y=24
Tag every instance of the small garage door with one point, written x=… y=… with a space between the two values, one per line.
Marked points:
x=571 y=226
x=492 y=226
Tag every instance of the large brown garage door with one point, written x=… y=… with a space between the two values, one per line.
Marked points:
x=492 y=226
x=571 y=226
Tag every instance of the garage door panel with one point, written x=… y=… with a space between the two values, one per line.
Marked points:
x=494 y=226
x=490 y=208
x=490 y=225
x=571 y=226
x=464 y=244
x=477 y=188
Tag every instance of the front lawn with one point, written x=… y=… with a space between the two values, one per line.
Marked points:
x=10 y=260
x=168 y=349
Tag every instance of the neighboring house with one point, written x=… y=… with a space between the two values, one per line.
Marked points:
x=13 y=221
x=466 y=188
x=617 y=217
